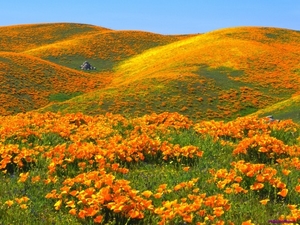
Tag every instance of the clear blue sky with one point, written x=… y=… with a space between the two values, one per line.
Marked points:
x=158 y=16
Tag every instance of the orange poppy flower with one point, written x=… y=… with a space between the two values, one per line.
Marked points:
x=163 y=186
x=228 y=190
x=186 y=168
x=218 y=211
x=57 y=205
x=9 y=203
x=260 y=178
x=71 y=204
x=264 y=201
x=73 y=212
x=35 y=179
x=199 y=153
x=238 y=179
x=91 y=211
x=23 y=177
x=283 y=192
x=73 y=193
x=128 y=159
x=147 y=193
x=292 y=207
x=220 y=222
x=177 y=187
x=196 y=190
x=257 y=186
x=82 y=214
x=115 y=166
x=135 y=214
x=286 y=172
x=98 y=219
x=280 y=185
x=188 y=218
x=158 y=195
x=23 y=206
x=248 y=222
x=19 y=200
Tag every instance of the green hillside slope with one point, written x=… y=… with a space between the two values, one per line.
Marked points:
x=287 y=109
x=28 y=82
x=217 y=75
x=40 y=62
x=102 y=49
x=20 y=38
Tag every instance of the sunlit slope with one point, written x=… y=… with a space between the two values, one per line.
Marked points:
x=28 y=82
x=40 y=62
x=267 y=56
x=287 y=109
x=102 y=49
x=20 y=38
x=217 y=75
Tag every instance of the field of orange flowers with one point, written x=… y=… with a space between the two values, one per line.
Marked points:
x=27 y=82
x=156 y=169
x=217 y=75
x=112 y=46
x=41 y=61
x=20 y=38
x=155 y=158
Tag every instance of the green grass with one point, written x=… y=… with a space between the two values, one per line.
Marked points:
x=110 y=50
x=143 y=175
x=61 y=97
x=137 y=99
x=74 y=62
x=288 y=109
x=198 y=98
x=220 y=77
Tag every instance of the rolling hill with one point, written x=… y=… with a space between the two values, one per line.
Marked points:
x=28 y=82
x=40 y=62
x=165 y=160
x=102 y=49
x=287 y=109
x=19 y=38
x=217 y=75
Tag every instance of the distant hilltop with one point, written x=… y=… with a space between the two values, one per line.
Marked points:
x=221 y=75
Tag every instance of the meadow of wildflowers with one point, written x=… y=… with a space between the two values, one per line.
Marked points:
x=156 y=169
x=217 y=75
x=41 y=61
x=160 y=133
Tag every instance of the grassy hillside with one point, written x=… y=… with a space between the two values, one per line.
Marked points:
x=101 y=49
x=148 y=152
x=217 y=75
x=20 y=38
x=289 y=108
x=28 y=82
x=156 y=169
x=41 y=62
x=263 y=58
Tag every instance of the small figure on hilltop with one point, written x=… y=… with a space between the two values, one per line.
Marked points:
x=87 y=66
